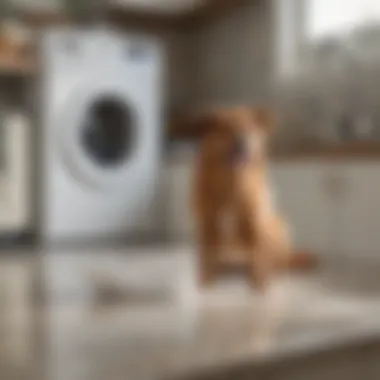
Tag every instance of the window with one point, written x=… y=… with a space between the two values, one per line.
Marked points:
x=305 y=23
x=325 y=18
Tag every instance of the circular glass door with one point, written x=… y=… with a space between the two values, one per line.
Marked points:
x=107 y=132
x=100 y=137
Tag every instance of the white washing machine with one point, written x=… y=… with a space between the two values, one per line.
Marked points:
x=101 y=135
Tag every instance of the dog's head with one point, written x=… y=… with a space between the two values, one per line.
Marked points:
x=236 y=136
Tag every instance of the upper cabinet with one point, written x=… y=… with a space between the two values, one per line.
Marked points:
x=36 y=5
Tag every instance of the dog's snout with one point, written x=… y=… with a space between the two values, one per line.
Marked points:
x=240 y=145
x=240 y=150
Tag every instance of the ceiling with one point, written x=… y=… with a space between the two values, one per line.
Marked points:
x=162 y=6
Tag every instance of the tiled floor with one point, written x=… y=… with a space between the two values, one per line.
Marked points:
x=80 y=338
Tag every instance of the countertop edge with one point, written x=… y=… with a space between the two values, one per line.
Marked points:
x=358 y=342
x=346 y=151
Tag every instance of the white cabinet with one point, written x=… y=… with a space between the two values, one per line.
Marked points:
x=302 y=197
x=332 y=207
x=359 y=220
x=15 y=175
x=300 y=193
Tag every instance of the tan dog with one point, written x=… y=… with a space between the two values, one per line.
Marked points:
x=234 y=211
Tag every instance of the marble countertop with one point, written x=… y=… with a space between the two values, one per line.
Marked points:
x=231 y=328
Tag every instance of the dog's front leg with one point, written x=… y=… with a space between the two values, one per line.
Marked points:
x=261 y=266
x=210 y=245
x=259 y=262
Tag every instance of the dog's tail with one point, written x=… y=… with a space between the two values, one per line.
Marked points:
x=302 y=261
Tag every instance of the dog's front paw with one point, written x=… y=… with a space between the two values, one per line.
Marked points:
x=207 y=277
x=259 y=282
x=260 y=275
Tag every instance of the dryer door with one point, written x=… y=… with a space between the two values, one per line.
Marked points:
x=101 y=137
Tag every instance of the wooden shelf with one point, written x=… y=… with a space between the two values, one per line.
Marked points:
x=17 y=66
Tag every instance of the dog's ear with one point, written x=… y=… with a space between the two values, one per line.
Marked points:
x=264 y=118
x=194 y=126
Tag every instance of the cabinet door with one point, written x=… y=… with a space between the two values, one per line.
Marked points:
x=301 y=196
x=359 y=222
x=14 y=175
x=179 y=212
